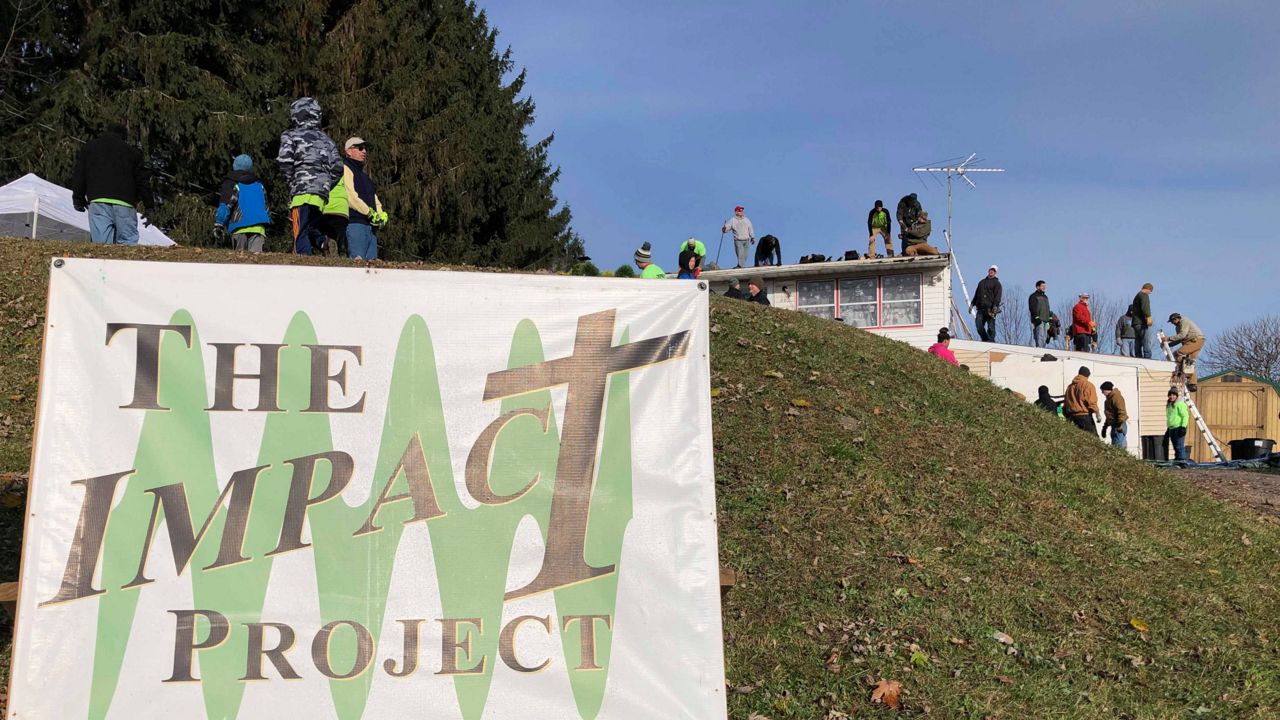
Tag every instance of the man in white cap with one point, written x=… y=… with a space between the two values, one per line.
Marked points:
x=987 y=300
x=744 y=236
x=1083 y=327
x=365 y=211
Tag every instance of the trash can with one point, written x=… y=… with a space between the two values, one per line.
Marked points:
x=1154 y=448
x=1251 y=448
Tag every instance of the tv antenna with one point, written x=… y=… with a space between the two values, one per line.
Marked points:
x=953 y=169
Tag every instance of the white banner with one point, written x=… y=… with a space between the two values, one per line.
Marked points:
x=286 y=492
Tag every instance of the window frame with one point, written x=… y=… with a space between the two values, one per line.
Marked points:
x=879 y=299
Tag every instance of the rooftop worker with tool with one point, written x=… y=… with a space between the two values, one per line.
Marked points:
x=908 y=212
x=1176 y=419
x=987 y=300
x=1192 y=342
x=1140 y=309
x=878 y=223
x=696 y=247
x=1117 y=416
x=744 y=235
x=1080 y=404
x=769 y=251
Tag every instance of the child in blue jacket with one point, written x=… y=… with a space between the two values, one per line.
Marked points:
x=242 y=207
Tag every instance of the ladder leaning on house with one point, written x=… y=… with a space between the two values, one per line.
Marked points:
x=1180 y=382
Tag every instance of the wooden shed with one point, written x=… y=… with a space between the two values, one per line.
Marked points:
x=1235 y=406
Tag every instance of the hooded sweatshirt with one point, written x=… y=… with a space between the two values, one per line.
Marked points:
x=308 y=158
x=109 y=169
x=241 y=201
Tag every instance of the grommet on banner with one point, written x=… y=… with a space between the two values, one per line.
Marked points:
x=59 y=262
x=702 y=286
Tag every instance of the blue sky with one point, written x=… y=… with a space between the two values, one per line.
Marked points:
x=1141 y=139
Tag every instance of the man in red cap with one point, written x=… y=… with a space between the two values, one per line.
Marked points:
x=744 y=236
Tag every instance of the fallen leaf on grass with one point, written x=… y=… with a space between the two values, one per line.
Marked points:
x=715 y=392
x=887 y=691
x=919 y=659
x=800 y=402
x=956 y=641
x=772 y=374
x=1002 y=638
x=1139 y=625
x=1245 y=539
x=1005 y=679
x=875 y=410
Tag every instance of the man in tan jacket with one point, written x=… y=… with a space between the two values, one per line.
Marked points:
x=1080 y=404
x=1117 y=416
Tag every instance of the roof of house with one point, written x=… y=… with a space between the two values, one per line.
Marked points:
x=1070 y=355
x=1241 y=373
x=799 y=270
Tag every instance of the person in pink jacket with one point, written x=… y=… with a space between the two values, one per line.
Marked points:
x=942 y=348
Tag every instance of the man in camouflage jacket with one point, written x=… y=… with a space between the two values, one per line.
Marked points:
x=311 y=166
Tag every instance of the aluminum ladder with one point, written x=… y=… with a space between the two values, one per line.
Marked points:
x=1180 y=382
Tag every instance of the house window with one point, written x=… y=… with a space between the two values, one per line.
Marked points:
x=818 y=298
x=872 y=302
x=900 y=300
x=858 y=302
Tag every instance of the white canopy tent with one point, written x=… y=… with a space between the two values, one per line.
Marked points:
x=35 y=208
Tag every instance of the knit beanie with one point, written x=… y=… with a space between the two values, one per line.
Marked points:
x=242 y=163
x=643 y=255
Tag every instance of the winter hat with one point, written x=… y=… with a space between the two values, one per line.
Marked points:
x=733 y=282
x=1148 y=286
x=242 y=163
x=643 y=255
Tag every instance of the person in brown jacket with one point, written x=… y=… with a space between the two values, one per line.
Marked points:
x=1117 y=416
x=1080 y=405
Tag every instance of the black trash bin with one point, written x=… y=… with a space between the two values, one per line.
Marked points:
x=1154 y=448
x=1251 y=448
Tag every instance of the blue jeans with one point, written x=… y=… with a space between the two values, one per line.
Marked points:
x=362 y=242
x=110 y=224
x=1142 y=338
x=1040 y=334
x=1118 y=438
x=1127 y=347
x=1179 y=438
x=986 y=326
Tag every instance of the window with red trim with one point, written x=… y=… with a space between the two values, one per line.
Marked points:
x=872 y=302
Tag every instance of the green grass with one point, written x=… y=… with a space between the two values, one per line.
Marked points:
x=889 y=528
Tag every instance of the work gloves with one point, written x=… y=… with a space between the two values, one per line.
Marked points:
x=378 y=218
x=219 y=234
x=78 y=204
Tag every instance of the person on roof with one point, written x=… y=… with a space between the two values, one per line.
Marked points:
x=1140 y=309
x=908 y=212
x=242 y=208
x=1038 y=307
x=878 y=223
x=644 y=261
x=756 y=292
x=1080 y=404
x=309 y=161
x=366 y=214
x=107 y=181
x=987 y=300
x=1117 y=416
x=1082 y=325
x=744 y=235
x=769 y=251
x=735 y=290
x=1125 y=335
x=916 y=238
x=1176 y=420
x=942 y=348
x=1187 y=335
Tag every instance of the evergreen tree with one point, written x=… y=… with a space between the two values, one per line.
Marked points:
x=199 y=82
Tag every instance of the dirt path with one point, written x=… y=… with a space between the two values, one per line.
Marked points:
x=1258 y=491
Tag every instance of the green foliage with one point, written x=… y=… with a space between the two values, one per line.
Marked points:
x=199 y=82
x=624 y=271
x=586 y=268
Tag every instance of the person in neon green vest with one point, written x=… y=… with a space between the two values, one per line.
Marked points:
x=644 y=261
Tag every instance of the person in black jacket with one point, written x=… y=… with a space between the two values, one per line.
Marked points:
x=1038 y=306
x=735 y=290
x=769 y=251
x=756 y=292
x=909 y=210
x=987 y=300
x=109 y=179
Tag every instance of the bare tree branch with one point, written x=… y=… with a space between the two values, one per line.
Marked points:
x=1252 y=347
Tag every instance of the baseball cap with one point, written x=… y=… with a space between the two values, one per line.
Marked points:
x=994 y=267
x=736 y=208
x=352 y=142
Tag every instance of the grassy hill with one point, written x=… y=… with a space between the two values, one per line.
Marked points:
x=892 y=517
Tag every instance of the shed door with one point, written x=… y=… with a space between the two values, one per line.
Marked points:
x=1234 y=413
